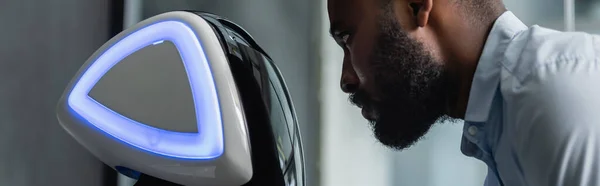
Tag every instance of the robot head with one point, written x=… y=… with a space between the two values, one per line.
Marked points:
x=186 y=98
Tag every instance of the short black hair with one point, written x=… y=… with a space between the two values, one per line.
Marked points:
x=384 y=3
x=477 y=9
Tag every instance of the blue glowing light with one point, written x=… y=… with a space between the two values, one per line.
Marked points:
x=206 y=144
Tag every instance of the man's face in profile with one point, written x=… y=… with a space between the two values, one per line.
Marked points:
x=400 y=86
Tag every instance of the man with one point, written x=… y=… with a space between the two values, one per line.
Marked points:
x=529 y=96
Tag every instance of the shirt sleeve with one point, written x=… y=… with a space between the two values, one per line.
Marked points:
x=557 y=134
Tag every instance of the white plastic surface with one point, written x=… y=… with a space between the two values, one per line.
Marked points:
x=234 y=167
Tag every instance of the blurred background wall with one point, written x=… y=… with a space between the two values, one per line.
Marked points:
x=45 y=42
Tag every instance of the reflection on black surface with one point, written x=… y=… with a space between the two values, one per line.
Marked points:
x=281 y=120
x=274 y=137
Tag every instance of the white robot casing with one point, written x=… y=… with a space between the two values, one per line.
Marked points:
x=227 y=158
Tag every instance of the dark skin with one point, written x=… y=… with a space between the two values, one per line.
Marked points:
x=449 y=35
x=439 y=59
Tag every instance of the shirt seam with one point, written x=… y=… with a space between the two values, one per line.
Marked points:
x=558 y=60
x=562 y=60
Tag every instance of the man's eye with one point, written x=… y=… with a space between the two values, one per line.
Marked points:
x=345 y=38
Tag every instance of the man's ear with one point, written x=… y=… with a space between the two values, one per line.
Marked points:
x=421 y=9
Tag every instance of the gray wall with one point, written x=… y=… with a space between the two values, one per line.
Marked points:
x=288 y=31
x=42 y=44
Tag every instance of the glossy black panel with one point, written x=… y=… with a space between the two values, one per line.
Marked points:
x=246 y=54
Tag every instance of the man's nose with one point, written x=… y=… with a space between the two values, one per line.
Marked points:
x=349 y=81
x=349 y=87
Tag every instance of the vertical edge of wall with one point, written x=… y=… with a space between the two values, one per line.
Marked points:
x=116 y=18
x=569 y=15
x=322 y=60
x=313 y=169
x=131 y=13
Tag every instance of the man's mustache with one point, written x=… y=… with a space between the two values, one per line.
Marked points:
x=360 y=99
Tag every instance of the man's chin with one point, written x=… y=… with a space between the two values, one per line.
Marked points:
x=399 y=135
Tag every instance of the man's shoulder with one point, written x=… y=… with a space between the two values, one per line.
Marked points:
x=537 y=49
x=546 y=64
x=550 y=85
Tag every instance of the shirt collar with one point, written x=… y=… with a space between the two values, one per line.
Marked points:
x=487 y=75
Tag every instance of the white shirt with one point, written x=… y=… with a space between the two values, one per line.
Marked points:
x=533 y=114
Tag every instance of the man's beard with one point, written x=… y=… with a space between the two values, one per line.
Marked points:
x=411 y=87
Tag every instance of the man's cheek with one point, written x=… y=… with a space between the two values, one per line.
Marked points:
x=363 y=45
x=360 y=72
x=362 y=62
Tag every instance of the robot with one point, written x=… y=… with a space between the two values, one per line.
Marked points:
x=186 y=98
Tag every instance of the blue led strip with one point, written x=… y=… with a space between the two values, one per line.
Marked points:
x=206 y=144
